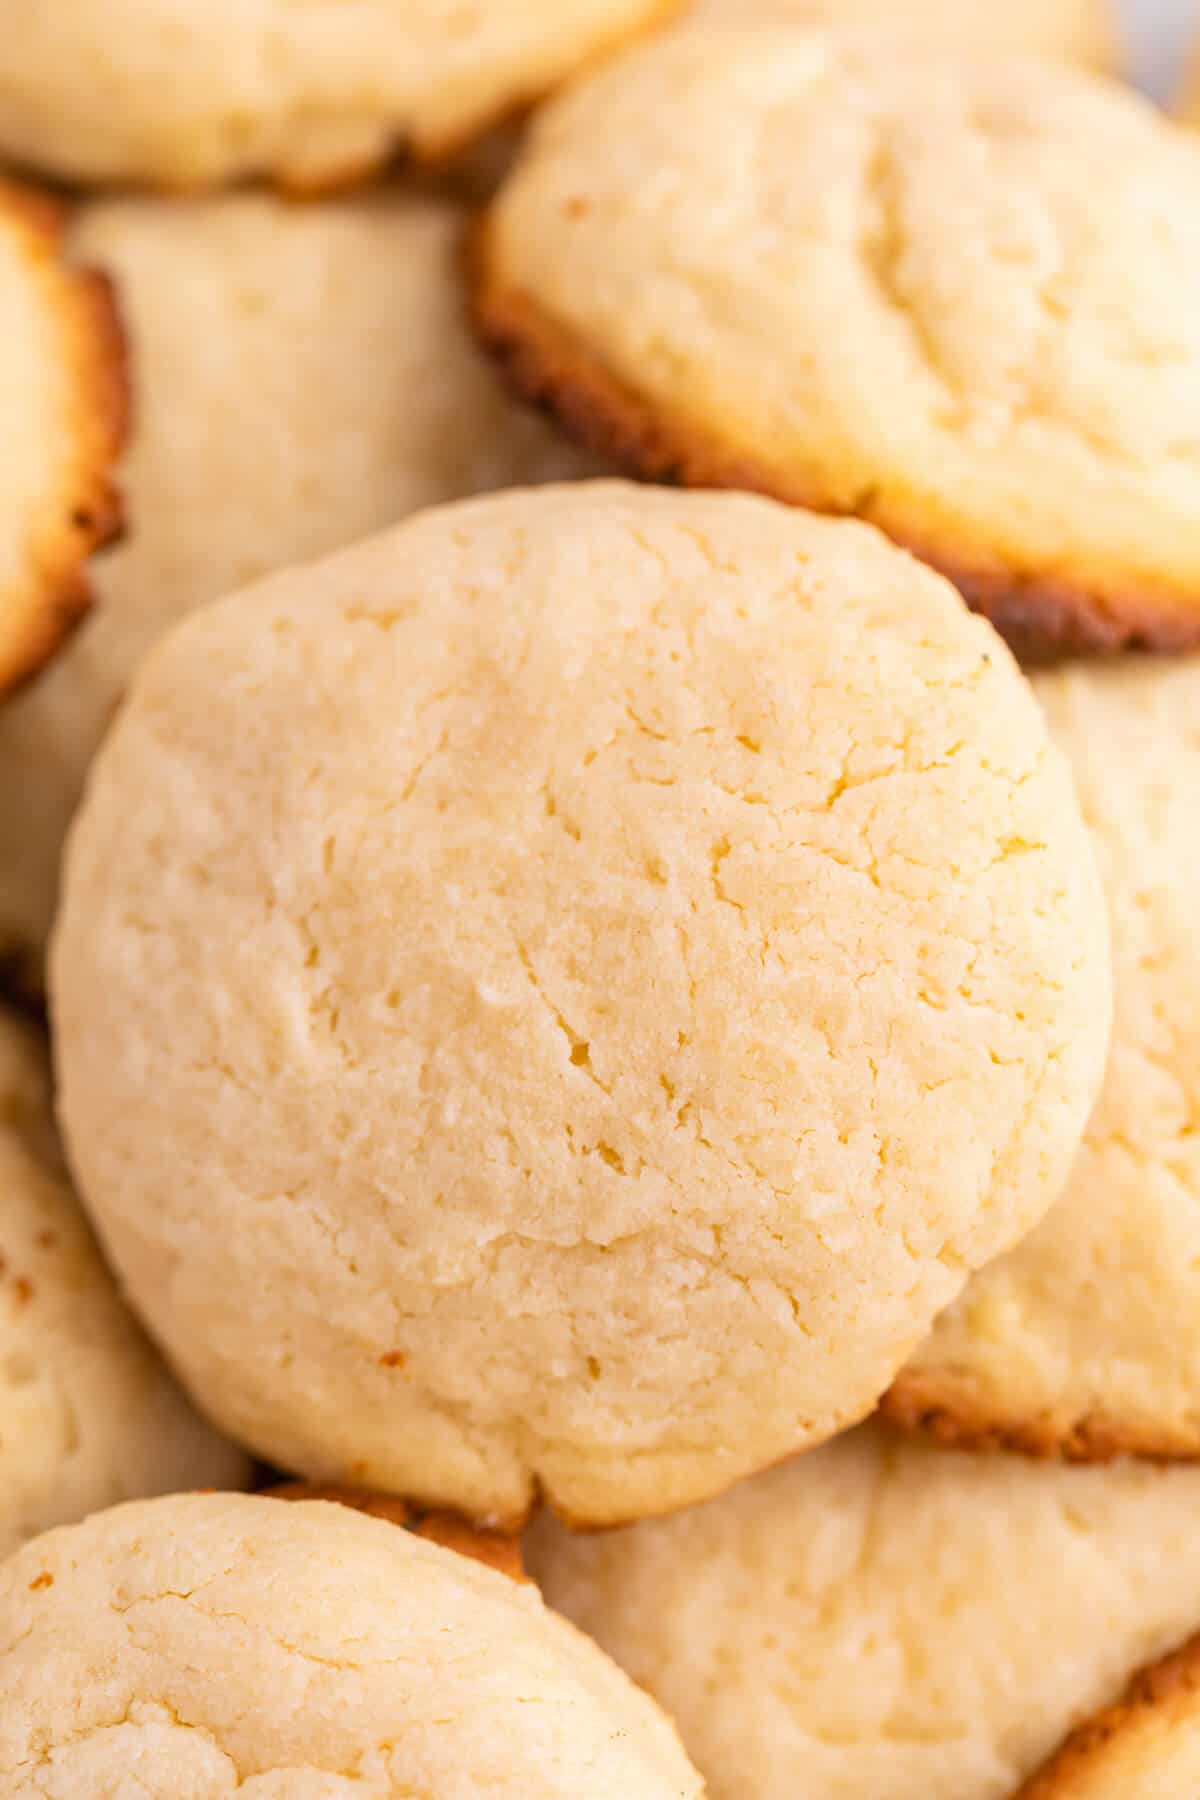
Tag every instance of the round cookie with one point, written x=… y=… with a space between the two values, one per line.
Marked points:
x=332 y=335
x=183 y=94
x=222 y=1642
x=1085 y=1339
x=1074 y=31
x=611 y=962
x=888 y=1619
x=88 y=1415
x=880 y=282
x=1146 y=1745
x=61 y=425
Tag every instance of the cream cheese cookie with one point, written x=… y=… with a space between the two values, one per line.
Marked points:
x=1075 y=31
x=888 y=1620
x=304 y=376
x=960 y=298
x=1144 y=1747
x=194 y=93
x=560 y=994
x=1085 y=1339
x=204 y=1645
x=61 y=424
x=88 y=1415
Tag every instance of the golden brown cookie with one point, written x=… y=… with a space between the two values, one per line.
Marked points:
x=497 y=1549
x=875 y=281
x=62 y=418
x=1084 y=1341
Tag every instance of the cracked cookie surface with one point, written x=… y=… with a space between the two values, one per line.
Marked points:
x=61 y=427
x=1085 y=1340
x=893 y=1620
x=958 y=298
x=88 y=1414
x=208 y=1645
x=184 y=94
x=611 y=962
x=332 y=335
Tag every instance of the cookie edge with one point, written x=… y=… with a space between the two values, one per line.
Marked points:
x=81 y=510
x=546 y=365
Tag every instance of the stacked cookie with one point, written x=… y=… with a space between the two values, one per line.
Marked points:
x=568 y=995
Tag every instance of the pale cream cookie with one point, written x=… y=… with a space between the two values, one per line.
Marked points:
x=88 y=1415
x=1074 y=31
x=561 y=993
x=885 y=1619
x=957 y=297
x=1085 y=1340
x=304 y=375
x=193 y=93
x=62 y=417
x=208 y=1645
x=1146 y=1746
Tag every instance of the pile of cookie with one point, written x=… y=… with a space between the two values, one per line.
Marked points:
x=600 y=784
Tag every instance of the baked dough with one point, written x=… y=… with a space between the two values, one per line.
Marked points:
x=611 y=962
x=61 y=422
x=204 y=1645
x=183 y=94
x=1085 y=1339
x=888 y=1620
x=88 y=1415
x=304 y=376
x=957 y=297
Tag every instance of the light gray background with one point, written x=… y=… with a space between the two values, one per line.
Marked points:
x=1158 y=32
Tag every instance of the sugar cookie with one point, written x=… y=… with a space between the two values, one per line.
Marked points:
x=561 y=993
x=960 y=298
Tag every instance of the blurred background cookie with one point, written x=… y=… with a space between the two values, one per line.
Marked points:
x=304 y=375
x=88 y=1415
x=194 y=93
x=558 y=995
x=960 y=298
x=889 y=1619
x=221 y=1641
x=1075 y=31
x=1085 y=1340
x=61 y=424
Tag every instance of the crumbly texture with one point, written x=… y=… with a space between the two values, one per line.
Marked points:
x=61 y=426
x=889 y=1619
x=1074 y=31
x=611 y=961
x=499 y=1550
x=304 y=376
x=1146 y=1745
x=1085 y=1339
x=184 y=94
x=88 y=1415
x=958 y=298
x=209 y=1645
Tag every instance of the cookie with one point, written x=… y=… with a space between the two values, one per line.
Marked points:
x=499 y=1550
x=880 y=282
x=332 y=335
x=891 y=1620
x=1085 y=1339
x=214 y=1642
x=611 y=962
x=87 y=1413
x=1074 y=31
x=185 y=94
x=1147 y=1743
x=61 y=425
